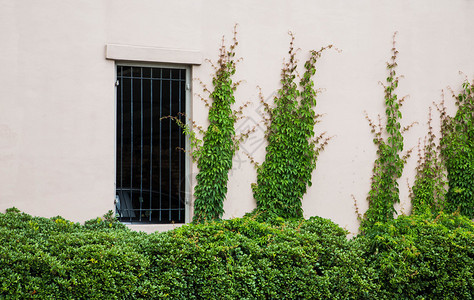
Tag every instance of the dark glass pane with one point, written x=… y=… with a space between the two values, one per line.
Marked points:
x=178 y=216
x=166 y=98
x=175 y=97
x=167 y=144
x=182 y=74
x=175 y=73
x=136 y=136
x=174 y=136
x=146 y=72
x=136 y=72
x=126 y=133
x=156 y=73
x=156 y=155
x=165 y=73
x=146 y=136
x=126 y=71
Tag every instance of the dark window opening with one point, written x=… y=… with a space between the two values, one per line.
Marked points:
x=150 y=176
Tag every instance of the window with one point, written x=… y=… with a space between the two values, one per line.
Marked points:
x=150 y=169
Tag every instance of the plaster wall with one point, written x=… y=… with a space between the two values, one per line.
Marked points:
x=57 y=107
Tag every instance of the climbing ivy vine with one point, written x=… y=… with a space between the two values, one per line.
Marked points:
x=457 y=149
x=292 y=149
x=428 y=192
x=214 y=158
x=388 y=167
x=215 y=151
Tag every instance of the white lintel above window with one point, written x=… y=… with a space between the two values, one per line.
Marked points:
x=152 y=54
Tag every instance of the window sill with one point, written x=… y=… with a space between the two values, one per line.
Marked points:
x=150 y=228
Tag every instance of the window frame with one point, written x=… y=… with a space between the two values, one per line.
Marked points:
x=188 y=110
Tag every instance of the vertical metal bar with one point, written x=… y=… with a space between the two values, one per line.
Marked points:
x=187 y=163
x=121 y=136
x=151 y=141
x=140 y=199
x=131 y=139
x=161 y=115
x=169 y=153
x=179 y=143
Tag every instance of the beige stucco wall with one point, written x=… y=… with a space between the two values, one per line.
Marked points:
x=57 y=107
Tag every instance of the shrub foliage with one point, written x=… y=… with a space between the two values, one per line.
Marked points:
x=58 y=259
x=231 y=259
x=422 y=257
x=245 y=259
x=408 y=258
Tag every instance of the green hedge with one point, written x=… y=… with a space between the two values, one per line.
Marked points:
x=55 y=258
x=231 y=259
x=245 y=259
x=408 y=258
x=422 y=257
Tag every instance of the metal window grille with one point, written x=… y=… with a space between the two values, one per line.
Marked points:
x=150 y=185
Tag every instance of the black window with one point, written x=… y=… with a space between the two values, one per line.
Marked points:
x=150 y=185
